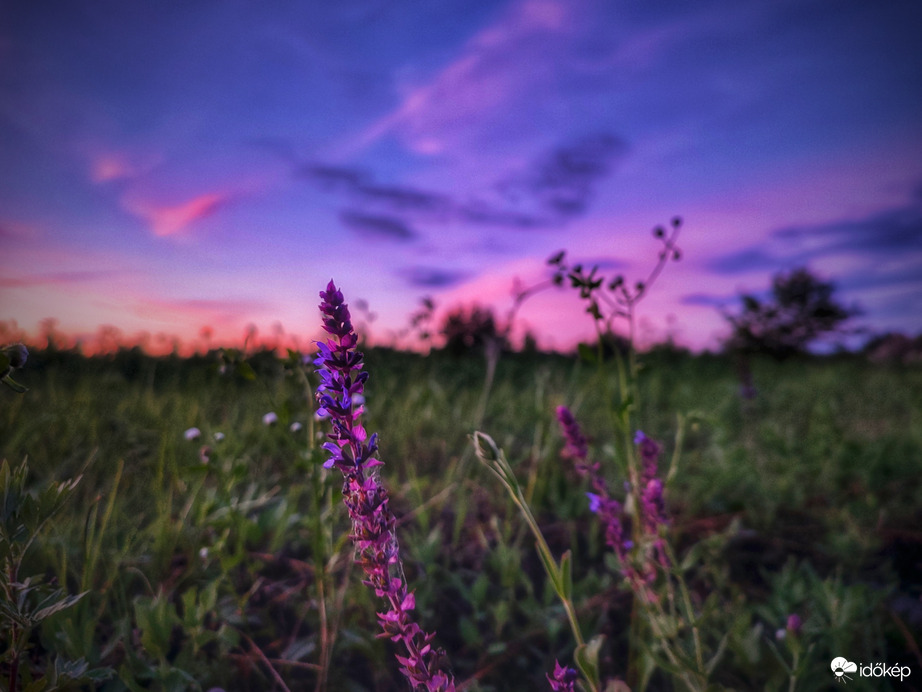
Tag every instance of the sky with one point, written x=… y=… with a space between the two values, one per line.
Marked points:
x=201 y=169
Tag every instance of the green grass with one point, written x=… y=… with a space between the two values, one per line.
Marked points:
x=236 y=571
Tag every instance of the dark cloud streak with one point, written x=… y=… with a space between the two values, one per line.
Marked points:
x=741 y=261
x=889 y=233
x=563 y=182
x=377 y=226
x=894 y=230
x=557 y=187
x=332 y=178
x=431 y=277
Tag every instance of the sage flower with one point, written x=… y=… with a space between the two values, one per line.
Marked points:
x=352 y=451
x=564 y=678
x=651 y=487
x=652 y=504
x=577 y=447
x=608 y=510
x=638 y=566
x=649 y=455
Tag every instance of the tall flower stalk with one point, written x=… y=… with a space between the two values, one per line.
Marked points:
x=645 y=557
x=353 y=452
x=665 y=619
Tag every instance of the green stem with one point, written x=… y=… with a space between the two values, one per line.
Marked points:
x=14 y=632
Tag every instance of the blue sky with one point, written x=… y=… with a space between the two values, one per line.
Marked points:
x=170 y=166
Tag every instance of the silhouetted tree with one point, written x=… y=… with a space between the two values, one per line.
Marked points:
x=893 y=347
x=468 y=329
x=801 y=309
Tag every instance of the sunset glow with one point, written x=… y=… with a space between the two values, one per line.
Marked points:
x=169 y=169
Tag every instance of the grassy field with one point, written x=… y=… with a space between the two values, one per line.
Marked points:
x=224 y=560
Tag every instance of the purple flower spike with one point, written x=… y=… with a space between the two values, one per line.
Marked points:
x=353 y=451
x=654 y=508
x=601 y=503
x=564 y=678
x=649 y=455
x=794 y=624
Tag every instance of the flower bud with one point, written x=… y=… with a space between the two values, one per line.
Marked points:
x=17 y=355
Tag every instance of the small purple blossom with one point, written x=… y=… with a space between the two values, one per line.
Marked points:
x=352 y=451
x=595 y=502
x=564 y=678
x=794 y=624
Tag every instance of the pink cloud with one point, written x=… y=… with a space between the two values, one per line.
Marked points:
x=55 y=278
x=194 y=312
x=499 y=62
x=107 y=163
x=112 y=166
x=15 y=231
x=171 y=220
